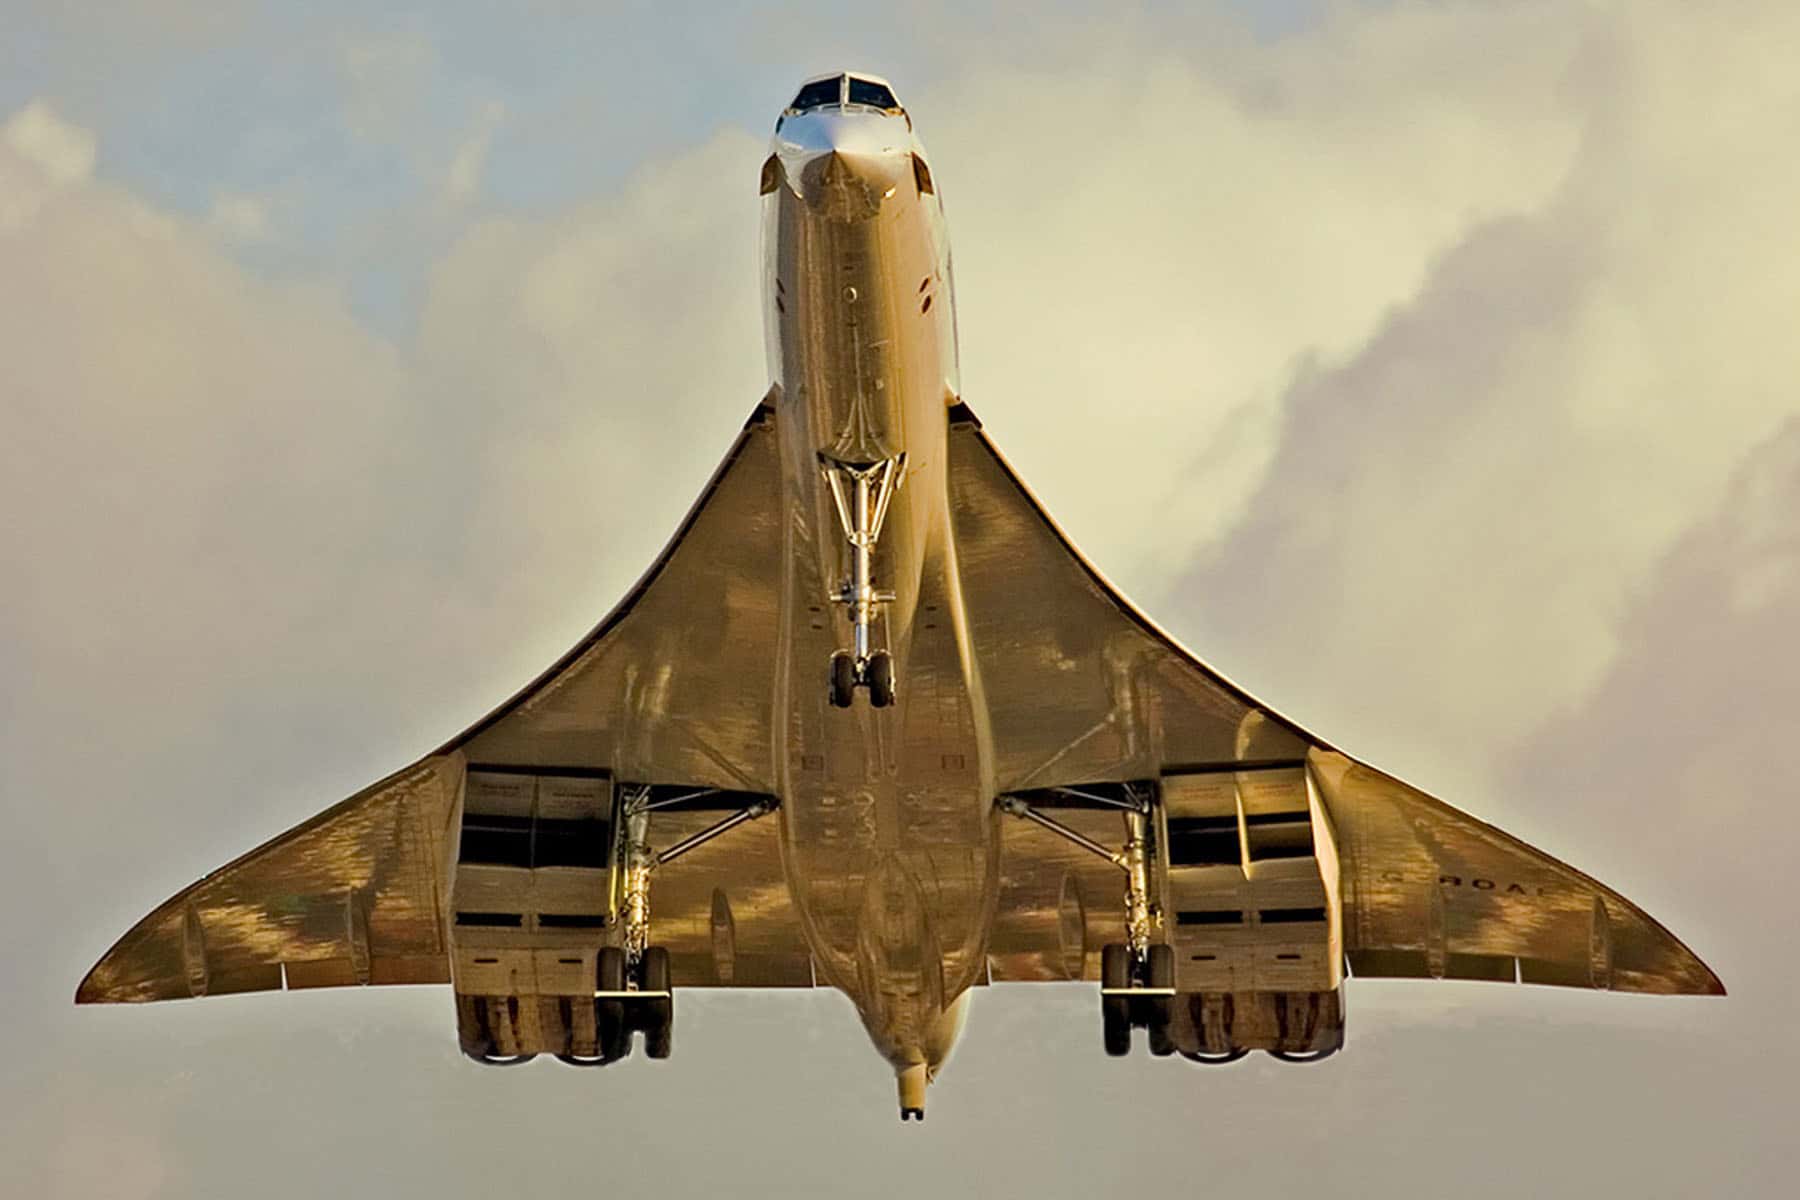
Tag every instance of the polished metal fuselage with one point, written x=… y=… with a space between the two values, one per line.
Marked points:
x=889 y=835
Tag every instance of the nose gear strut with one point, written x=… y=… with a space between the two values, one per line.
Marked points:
x=862 y=494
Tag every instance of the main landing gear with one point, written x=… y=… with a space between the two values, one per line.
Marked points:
x=1137 y=977
x=862 y=494
x=633 y=989
x=1137 y=993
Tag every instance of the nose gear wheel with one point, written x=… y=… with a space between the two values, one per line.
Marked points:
x=879 y=675
x=843 y=679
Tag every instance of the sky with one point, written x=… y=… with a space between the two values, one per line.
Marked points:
x=1426 y=367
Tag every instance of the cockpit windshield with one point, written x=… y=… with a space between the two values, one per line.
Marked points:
x=875 y=95
x=817 y=94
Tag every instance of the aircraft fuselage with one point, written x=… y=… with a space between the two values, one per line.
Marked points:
x=889 y=833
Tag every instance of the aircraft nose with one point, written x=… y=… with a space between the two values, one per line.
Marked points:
x=845 y=164
x=842 y=166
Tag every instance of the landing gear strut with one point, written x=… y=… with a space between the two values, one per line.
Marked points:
x=633 y=991
x=862 y=494
x=1137 y=978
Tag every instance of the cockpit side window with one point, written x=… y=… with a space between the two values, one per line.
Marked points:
x=865 y=91
x=817 y=94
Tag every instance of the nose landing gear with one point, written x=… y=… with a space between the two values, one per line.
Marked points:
x=862 y=493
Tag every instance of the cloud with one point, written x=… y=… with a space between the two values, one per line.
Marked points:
x=463 y=177
x=64 y=152
x=630 y=321
x=1690 y=719
x=388 y=78
x=1153 y=239
x=186 y=442
x=1460 y=511
x=211 y=470
x=240 y=217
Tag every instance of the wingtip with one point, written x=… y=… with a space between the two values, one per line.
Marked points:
x=88 y=991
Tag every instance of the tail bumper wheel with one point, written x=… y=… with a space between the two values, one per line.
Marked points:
x=881 y=679
x=614 y=1035
x=1115 y=1011
x=658 y=1012
x=843 y=679
x=1159 y=1011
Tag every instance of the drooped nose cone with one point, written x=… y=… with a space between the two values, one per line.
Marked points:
x=844 y=164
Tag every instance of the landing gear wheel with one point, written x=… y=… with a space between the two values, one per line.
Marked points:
x=1160 y=1010
x=659 y=1012
x=1214 y=1060
x=881 y=679
x=1115 y=1011
x=1307 y=1056
x=609 y=1012
x=843 y=679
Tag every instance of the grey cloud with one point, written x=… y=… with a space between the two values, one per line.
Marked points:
x=1443 y=542
x=1680 y=761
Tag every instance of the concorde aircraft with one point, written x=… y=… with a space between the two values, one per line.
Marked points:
x=871 y=722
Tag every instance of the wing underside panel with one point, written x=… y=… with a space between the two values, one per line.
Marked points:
x=1430 y=892
x=351 y=896
x=1080 y=686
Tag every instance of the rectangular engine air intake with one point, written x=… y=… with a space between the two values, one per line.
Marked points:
x=491 y=920
x=1222 y=916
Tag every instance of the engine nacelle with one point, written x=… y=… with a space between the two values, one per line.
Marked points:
x=531 y=903
x=1223 y=1025
x=1250 y=892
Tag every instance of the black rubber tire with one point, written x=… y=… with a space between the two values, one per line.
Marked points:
x=1115 y=965
x=659 y=1014
x=1215 y=1060
x=1115 y=1011
x=1307 y=1056
x=881 y=679
x=843 y=679
x=609 y=1015
x=500 y=1060
x=1115 y=1025
x=1159 y=1011
x=575 y=1060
